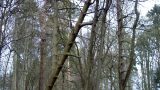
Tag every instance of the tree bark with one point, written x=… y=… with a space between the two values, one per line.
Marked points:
x=42 y=20
x=90 y=57
x=125 y=71
x=15 y=73
x=120 y=38
x=132 y=54
x=54 y=75
x=55 y=57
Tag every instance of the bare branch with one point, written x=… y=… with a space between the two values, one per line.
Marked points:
x=86 y=23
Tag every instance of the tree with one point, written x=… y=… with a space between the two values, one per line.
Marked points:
x=67 y=48
x=124 y=70
x=78 y=45
x=148 y=48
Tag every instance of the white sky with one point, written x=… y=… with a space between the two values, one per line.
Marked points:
x=144 y=7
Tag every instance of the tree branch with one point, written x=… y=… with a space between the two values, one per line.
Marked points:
x=54 y=75
x=86 y=23
x=132 y=45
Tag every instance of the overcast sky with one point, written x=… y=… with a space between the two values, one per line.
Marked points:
x=144 y=7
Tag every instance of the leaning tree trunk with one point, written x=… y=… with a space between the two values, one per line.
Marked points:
x=54 y=75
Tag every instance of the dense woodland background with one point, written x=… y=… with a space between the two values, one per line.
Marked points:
x=79 y=45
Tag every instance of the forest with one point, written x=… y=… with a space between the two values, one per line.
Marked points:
x=79 y=45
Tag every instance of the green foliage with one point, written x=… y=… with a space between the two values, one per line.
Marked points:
x=28 y=8
x=150 y=38
x=148 y=43
x=157 y=76
x=154 y=15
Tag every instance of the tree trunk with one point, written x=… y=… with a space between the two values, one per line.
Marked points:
x=124 y=70
x=55 y=57
x=54 y=75
x=42 y=20
x=148 y=70
x=15 y=73
x=121 y=64
x=90 y=57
